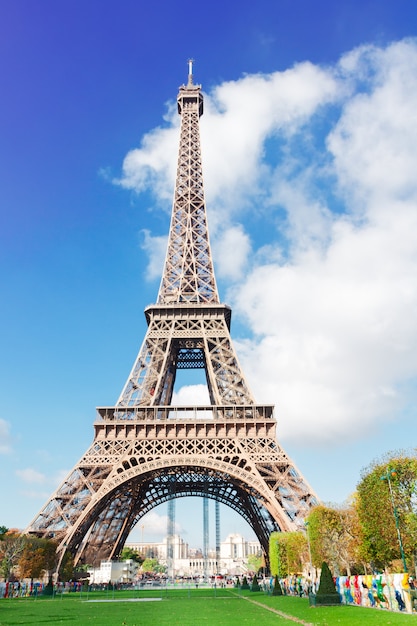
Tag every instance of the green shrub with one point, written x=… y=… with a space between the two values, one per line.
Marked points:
x=245 y=583
x=48 y=590
x=326 y=593
x=277 y=590
x=255 y=584
x=326 y=584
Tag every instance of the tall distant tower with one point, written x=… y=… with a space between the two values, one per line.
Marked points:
x=146 y=451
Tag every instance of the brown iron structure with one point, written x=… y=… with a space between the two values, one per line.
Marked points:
x=145 y=450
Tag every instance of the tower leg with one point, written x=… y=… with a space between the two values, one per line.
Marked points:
x=170 y=539
x=206 y=538
x=217 y=536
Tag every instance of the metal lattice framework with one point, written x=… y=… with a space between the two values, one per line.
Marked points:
x=146 y=451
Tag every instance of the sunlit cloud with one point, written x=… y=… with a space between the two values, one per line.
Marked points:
x=232 y=249
x=5 y=437
x=31 y=476
x=191 y=395
x=155 y=248
x=312 y=201
x=34 y=494
x=152 y=527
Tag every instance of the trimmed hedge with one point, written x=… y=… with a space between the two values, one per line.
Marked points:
x=326 y=585
x=326 y=594
x=326 y=599
x=277 y=589
x=245 y=584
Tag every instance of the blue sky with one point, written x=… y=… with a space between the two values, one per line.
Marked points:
x=309 y=159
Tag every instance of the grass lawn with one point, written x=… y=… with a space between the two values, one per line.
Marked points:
x=187 y=607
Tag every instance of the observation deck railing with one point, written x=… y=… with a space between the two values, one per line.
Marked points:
x=180 y=413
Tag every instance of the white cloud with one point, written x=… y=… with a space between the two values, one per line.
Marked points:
x=239 y=116
x=43 y=485
x=152 y=527
x=374 y=141
x=325 y=161
x=33 y=494
x=232 y=249
x=337 y=321
x=191 y=395
x=242 y=114
x=155 y=247
x=31 y=476
x=5 y=437
x=153 y=164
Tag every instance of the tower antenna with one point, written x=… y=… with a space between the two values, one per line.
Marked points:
x=190 y=71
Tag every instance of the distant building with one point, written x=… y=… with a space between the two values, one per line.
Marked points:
x=234 y=553
x=114 y=572
x=186 y=562
x=159 y=550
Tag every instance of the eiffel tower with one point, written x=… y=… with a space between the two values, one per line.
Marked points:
x=147 y=451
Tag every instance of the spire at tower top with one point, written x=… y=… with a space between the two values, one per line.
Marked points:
x=188 y=275
x=190 y=72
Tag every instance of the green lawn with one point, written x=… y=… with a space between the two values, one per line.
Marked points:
x=187 y=607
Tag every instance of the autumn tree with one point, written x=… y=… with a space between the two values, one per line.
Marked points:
x=296 y=549
x=38 y=557
x=11 y=547
x=335 y=535
x=288 y=553
x=387 y=508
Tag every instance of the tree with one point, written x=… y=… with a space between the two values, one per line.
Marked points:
x=387 y=508
x=296 y=549
x=38 y=557
x=335 y=536
x=288 y=553
x=131 y=554
x=255 y=562
x=11 y=547
x=151 y=566
x=276 y=555
x=67 y=570
x=3 y=531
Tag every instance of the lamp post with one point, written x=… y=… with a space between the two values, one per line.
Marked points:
x=387 y=477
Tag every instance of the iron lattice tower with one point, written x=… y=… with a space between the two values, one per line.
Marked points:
x=146 y=451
